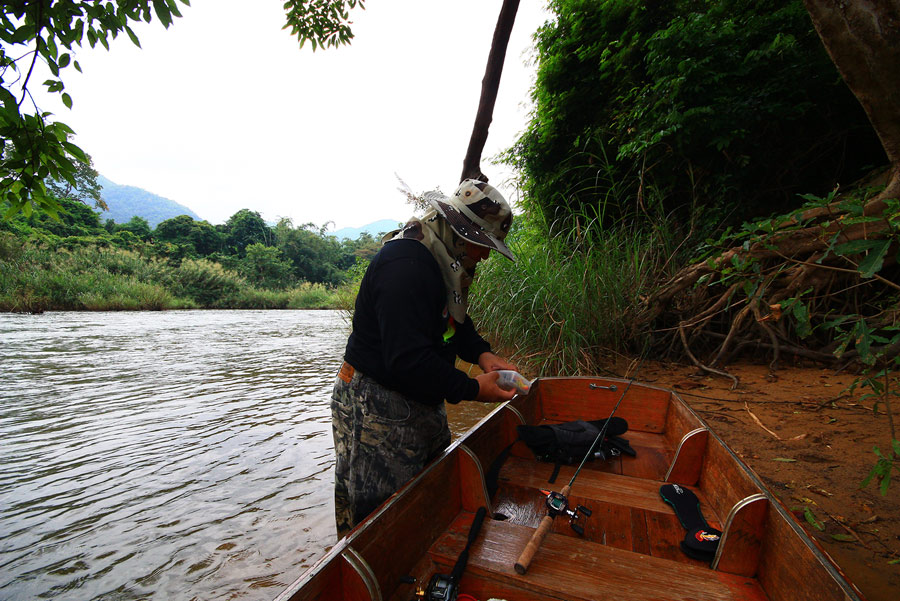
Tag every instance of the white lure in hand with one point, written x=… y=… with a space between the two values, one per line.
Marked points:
x=513 y=380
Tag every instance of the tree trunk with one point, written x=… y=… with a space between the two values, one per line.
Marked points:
x=863 y=39
x=489 y=86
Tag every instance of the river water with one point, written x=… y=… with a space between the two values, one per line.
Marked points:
x=165 y=455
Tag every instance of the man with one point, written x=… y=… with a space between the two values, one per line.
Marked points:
x=409 y=325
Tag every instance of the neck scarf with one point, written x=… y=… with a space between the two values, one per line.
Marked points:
x=449 y=250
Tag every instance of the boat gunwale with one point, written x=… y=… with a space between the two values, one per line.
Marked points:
x=823 y=558
x=337 y=550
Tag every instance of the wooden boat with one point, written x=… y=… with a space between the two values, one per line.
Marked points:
x=630 y=550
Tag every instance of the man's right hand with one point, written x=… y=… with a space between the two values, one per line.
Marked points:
x=489 y=392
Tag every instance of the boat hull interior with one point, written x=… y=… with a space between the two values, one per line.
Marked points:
x=631 y=542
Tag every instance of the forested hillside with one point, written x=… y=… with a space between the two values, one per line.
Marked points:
x=125 y=202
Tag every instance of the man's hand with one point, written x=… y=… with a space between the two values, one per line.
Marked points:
x=489 y=392
x=489 y=362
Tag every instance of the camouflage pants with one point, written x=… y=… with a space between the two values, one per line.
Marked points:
x=382 y=439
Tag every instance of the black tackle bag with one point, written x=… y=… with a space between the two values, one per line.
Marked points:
x=569 y=443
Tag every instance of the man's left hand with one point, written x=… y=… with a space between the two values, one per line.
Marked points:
x=489 y=362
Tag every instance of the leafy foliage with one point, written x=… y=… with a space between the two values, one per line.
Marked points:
x=201 y=238
x=244 y=228
x=321 y=22
x=72 y=262
x=729 y=105
x=138 y=226
x=884 y=467
x=34 y=148
x=266 y=267
x=781 y=271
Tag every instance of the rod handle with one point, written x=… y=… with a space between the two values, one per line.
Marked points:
x=533 y=545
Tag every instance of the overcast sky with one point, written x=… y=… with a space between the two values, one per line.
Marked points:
x=223 y=111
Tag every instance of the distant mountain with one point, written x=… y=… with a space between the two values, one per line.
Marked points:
x=374 y=228
x=125 y=202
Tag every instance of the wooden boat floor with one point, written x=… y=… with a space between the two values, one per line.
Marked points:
x=627 y=512
x=575 y=569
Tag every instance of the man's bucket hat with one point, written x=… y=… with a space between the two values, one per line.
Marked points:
x=477 y=212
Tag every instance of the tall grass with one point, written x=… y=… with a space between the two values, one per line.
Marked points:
x=572 y=300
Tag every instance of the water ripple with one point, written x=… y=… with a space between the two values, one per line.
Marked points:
x=176 y=455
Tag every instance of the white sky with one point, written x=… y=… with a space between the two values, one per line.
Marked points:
x=222 y=111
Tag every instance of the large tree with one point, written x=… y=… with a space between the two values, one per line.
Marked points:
x=244 y=228
x=199 y=237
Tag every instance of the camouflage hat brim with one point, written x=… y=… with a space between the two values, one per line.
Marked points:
x=465 y=227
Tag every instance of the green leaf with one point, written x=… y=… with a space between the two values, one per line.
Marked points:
x=854 y=247
x=875 y=259
x=844 y=538
x=862 y=219
x=801 y=313
x=67 y=100
x=811 y=519
x=134 y=38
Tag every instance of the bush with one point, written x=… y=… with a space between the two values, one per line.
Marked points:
x=204 y=282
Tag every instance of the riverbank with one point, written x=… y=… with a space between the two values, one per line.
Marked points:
x=810 y=442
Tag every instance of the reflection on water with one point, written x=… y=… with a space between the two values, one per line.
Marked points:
x=175 y=455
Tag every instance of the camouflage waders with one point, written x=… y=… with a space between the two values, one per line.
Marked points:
x=382 y=439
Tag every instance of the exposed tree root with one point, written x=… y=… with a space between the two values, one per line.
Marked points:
x=775 y=294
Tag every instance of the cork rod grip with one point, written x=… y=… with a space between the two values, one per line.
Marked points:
x=533 y=545
x=537 y=538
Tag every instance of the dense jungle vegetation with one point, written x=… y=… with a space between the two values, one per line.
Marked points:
x=698 y=178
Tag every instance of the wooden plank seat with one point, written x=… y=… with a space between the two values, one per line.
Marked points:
x=558 y=569
x=626 y=512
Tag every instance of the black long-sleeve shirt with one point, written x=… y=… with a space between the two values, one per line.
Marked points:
x=400 y=328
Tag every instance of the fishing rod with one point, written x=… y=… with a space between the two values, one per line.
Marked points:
x=558 y=502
